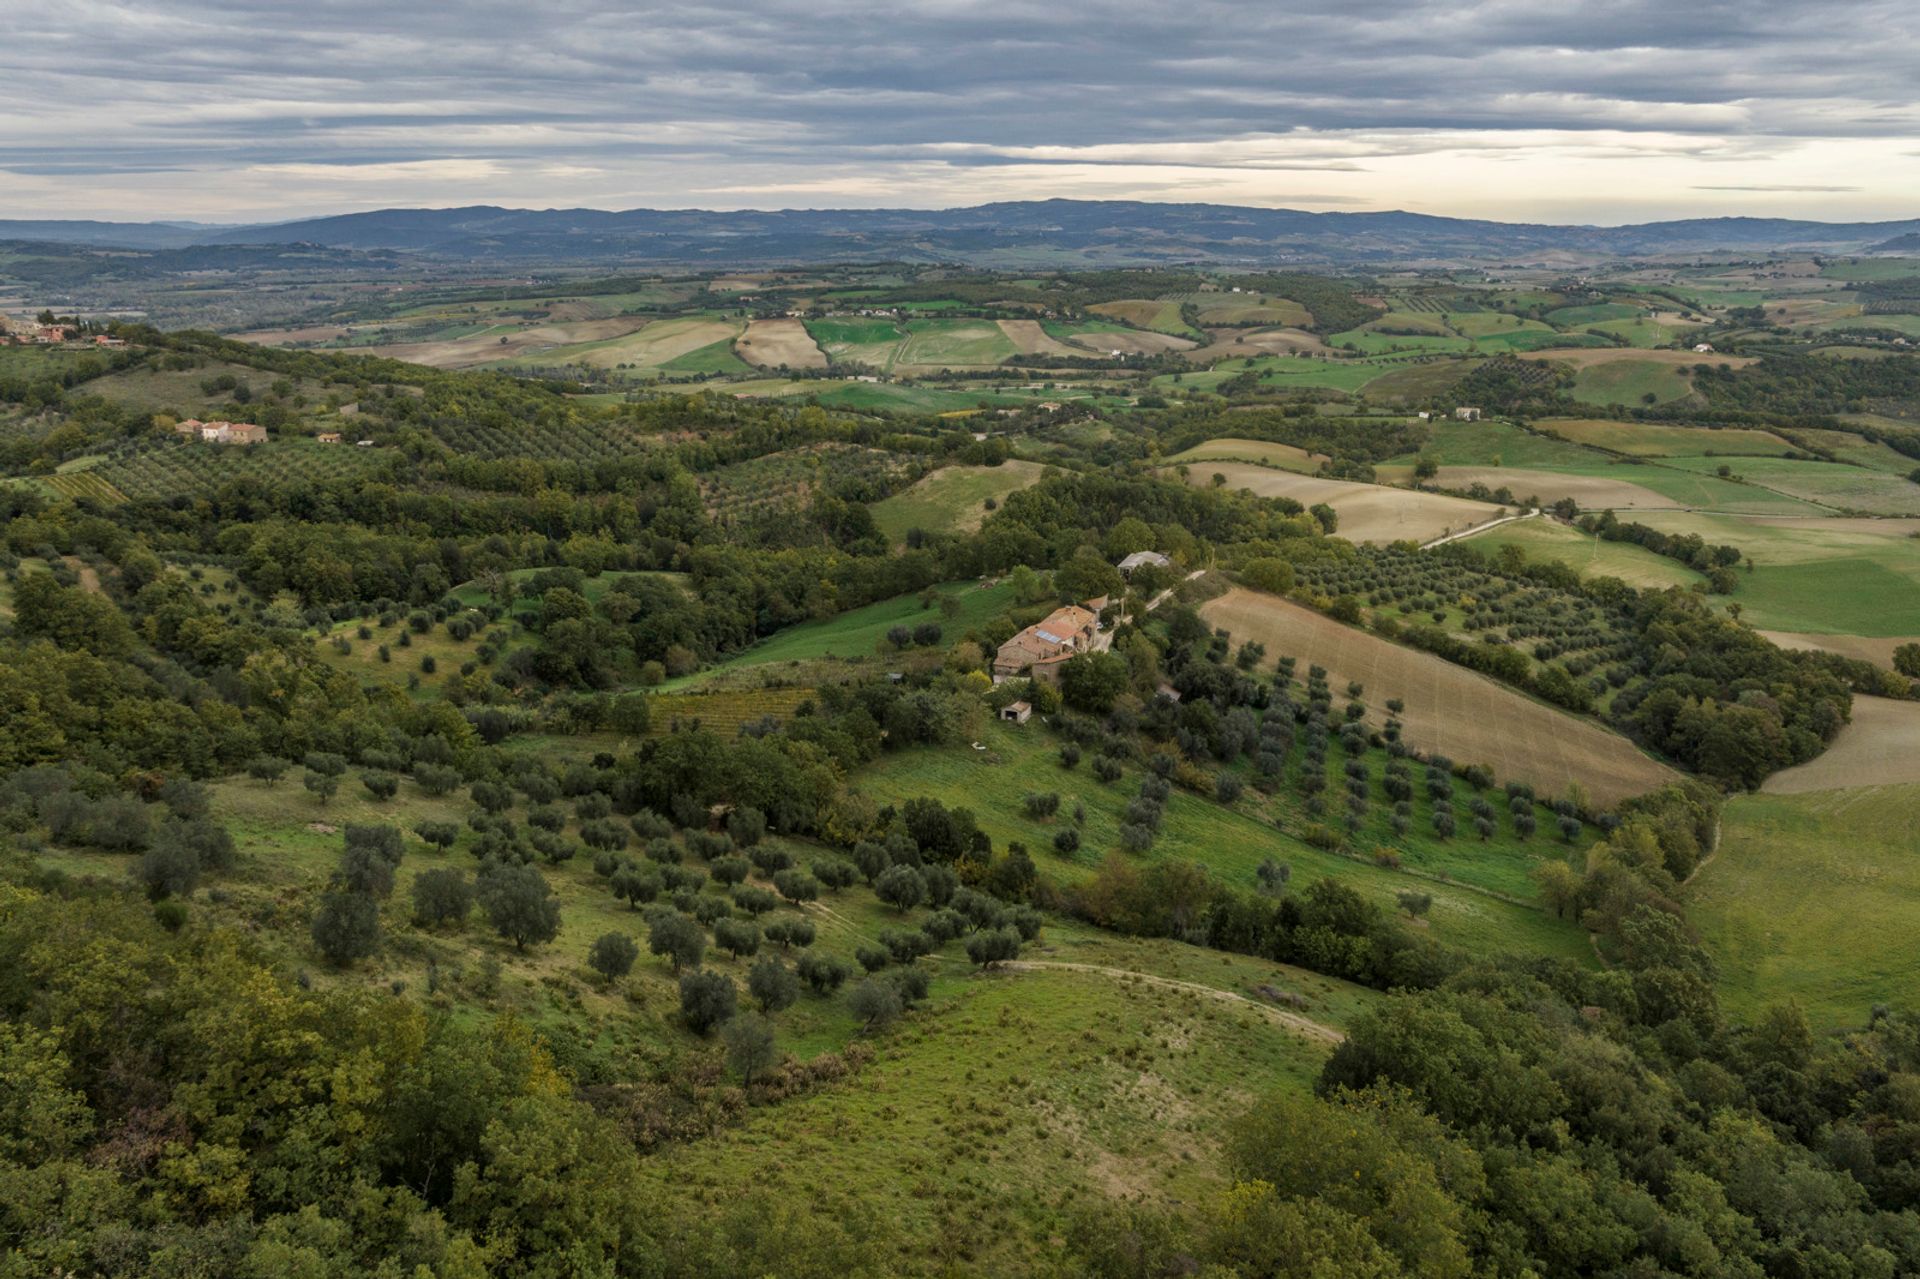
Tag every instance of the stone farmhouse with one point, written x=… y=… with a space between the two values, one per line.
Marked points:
x=1041 y=649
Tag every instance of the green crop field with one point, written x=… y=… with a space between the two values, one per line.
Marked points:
x=1579 y=317
x=1430 y=338
x=715 y=357
x=1847 y=488
x=1812 y=898
x=1419 y=380
x=1829 y=576
x=1907 y=324
x=954 y=343
x=1229 y=842
x=952 y=499
x=1648 y=439
x=1491 y=442
x=1589 y=556
x=858 y=340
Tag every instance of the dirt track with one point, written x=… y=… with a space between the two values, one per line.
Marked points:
x=1306 y=1026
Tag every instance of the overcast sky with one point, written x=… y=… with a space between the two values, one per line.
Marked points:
x=1540 y=110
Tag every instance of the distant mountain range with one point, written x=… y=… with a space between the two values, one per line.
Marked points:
x=1058 y=232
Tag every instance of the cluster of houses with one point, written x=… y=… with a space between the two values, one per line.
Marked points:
x=222 y=432
x=16 y=334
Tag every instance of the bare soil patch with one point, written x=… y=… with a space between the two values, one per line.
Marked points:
x=1029 y=338
x=772 y=343
x=463 y=353
x=1135 y=342
x=1880 y=746
x=1368 y=512
x=1230 y=344
x=1450 y=710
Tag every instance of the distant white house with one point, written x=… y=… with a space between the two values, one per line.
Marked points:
x=1703 y=348
x=1138 y=558
x=1467 y=413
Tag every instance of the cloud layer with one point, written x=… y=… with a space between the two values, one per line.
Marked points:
x=1602 y=111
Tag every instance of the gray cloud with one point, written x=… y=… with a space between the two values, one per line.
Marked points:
x=260 y=108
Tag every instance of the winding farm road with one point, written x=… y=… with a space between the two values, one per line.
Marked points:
x=1478 y=528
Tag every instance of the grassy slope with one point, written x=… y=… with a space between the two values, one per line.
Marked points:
x=1128 y=1070
x=1589 y=556
x=1630 y=382
x=1231 y=842
x=951 y=499
x=1827 y=577
x=1813 y=897
x=858 y=634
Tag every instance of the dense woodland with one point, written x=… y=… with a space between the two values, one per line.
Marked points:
x=177 y=1098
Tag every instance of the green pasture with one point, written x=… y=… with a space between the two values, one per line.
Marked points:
x=1864 y=269
x=1813 y=898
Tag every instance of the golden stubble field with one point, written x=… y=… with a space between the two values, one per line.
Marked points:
x=1880 y=746
x=1368 y=512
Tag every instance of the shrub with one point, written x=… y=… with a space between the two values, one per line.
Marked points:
x=835 y=874
x=441 y=896
x=707 y=999
x=737 y=937
x=790 y=932
x=901 y=887
x=755 y=901
x=875 y=1003
x=989 y=948
x=772 y=984
x=676 y=937
x=797 y=886
x=612 y=955
x=824 y=974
